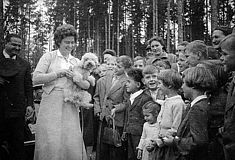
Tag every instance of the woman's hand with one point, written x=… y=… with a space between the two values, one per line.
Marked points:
x=69 y=74
x=61 y=73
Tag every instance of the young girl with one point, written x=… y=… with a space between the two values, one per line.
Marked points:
x=150 y=112
x=172 y=109
x=192 y=136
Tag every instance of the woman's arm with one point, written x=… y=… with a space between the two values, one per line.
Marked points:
x=40 y=75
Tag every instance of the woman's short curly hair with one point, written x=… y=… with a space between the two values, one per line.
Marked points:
x=64 y=31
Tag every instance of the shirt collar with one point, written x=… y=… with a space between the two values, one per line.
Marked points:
x=197 y=99
x=60 y=55
x=134 y=95
x=6 y=55
x=174 y=97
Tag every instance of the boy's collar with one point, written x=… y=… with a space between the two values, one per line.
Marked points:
x=197 y=99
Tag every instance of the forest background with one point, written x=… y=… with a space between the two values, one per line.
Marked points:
x=122 y=25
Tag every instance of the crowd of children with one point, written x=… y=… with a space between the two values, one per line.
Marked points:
x=168 y=106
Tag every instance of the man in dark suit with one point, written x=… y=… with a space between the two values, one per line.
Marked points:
x=16 y=97
x=227 y=46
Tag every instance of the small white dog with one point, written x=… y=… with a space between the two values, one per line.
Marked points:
x=82 y=78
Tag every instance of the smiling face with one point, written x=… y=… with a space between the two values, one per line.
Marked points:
x=228 y=54
x=14 y=46
x=67 y=45
x=151 y=81
x=156 y=47
x=149 y=117
x=111 y=64
x=217 y=36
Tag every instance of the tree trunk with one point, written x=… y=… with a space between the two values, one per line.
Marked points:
x=109 y=25
x=118 y=29
x=168 y=25
x=155 y=17
x=180 y=20
x=1 y=26
x=214 y=14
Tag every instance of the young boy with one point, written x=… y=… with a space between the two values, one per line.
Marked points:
x=192 y=136
x=150 y=73
x=111 y=102
x=139 y=62
x=102 y=69
x=134 y=117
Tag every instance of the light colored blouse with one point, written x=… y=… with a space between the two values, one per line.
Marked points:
x=45 y=72
x=170 y=115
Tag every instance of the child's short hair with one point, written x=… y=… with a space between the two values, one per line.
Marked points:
x=150 y=69
x=137 y=58
x=166 y=64
x=199 y=78
x=170 y=78
x=136 y=75
x=126 y=61
x=152 y=107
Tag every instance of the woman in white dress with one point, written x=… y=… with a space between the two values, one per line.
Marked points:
x=58 y=132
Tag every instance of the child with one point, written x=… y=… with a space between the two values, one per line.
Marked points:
x=111 y=102
x=192 y=136
x=134 y=117
x=102 y=69
x=139 y=62
x=111 y=63
x=172 y=109
x=162 y=64
x=150 y=112
x=150 y=73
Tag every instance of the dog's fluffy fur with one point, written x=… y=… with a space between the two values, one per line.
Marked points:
x=75 y=94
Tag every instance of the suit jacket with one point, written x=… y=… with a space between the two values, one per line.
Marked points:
x=229 y=120
x=115 y=97
x=100 y=91
x=134 y=117
x=193 y=132
x=17 y=92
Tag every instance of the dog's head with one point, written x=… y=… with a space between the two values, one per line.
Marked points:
x=89 y=61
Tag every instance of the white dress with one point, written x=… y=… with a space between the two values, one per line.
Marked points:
x=149 y=133
x=58 y=131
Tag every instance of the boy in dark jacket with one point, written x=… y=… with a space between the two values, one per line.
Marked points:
x=134 y=117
